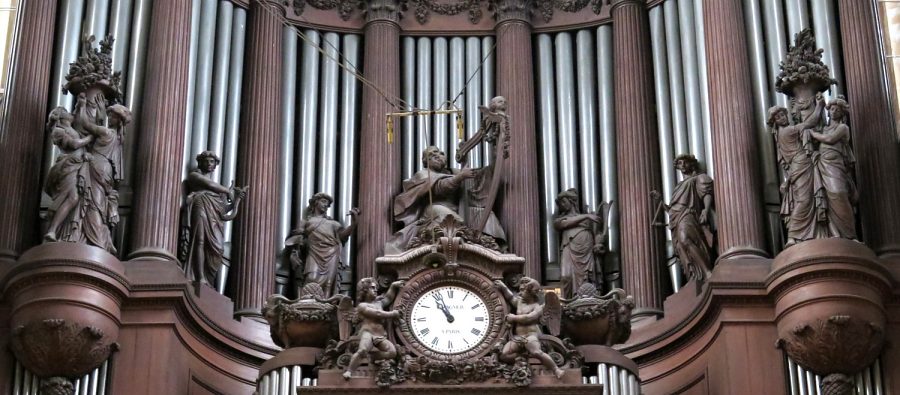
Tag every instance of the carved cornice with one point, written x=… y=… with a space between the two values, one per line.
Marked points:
x=345 y=7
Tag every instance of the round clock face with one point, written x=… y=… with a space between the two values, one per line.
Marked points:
x=450 y=319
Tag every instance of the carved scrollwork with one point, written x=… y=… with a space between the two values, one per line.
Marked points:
x=591 y=318
x=423 y=9
x=839 y=344
x=345 y=7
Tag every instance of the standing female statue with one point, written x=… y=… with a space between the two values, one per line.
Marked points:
x=580 y=246
x=209 y=205
x=837 y=193
x=321 y=239
x=795 y=156
x=63 y=178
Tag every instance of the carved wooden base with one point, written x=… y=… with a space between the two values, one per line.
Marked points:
x=830 y=306
x=332 y=382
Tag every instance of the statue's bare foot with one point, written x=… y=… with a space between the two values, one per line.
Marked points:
x=559 y=373
x=50 y=237
x=347 y=375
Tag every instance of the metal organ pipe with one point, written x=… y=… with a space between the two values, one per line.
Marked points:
x=776 y=40
x=548 y=131
x=187 y=159
x=587 y=118
x=96 y=19
x=487 y=85
x=797 y=11
x=691 y=81
x=220 y=82
x=423 y=94
x=68 y=37
x=608 y=166
x=327 y=153
x=457 y=82
x=309 y=107
x=704 y=82
x=203 y=89
x=349 y=120
x=120 y=28
x=442 y=125
x=672 y=40
x=565 y=110
x=473 y=95
x=288 y=107
x=407 y=129
x=825 y=25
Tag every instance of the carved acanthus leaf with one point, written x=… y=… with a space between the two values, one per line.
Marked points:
x=423 y=8
x=547 y=7
x=345 y=7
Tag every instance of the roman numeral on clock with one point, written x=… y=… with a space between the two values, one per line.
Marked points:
x=434 y=341
x=424 y=332
x=476 y=332
x=450 y=294
x=422 y=319
x=476 y=306
x=479 y=318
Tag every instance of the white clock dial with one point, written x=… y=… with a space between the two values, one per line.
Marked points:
x=449 y=320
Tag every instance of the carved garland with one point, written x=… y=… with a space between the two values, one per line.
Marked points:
x=424 y=7
x=345 y=7
x=546 y=7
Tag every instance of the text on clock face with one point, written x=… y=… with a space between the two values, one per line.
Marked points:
x=449 y=319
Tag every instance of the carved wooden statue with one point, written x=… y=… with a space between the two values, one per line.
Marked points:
x=581 y=243
x=837 y=193
x=209 y=205
x=690 y=212
x=818 y=193
x=83 y=182
x=371 y=311
x=315 y=246
x=529 y=314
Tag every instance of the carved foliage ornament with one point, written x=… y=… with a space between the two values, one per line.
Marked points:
x=423 y=8
x=57 y=348
x=547 y=7
x=839 y=344
x=345 y=7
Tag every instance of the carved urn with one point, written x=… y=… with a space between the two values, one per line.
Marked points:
x=308 y=321
x=829 y=305
x=66 y=300
x=593 y=319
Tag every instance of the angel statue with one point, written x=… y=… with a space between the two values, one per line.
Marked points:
x=582 y=242
x=371 y=313
x=529 y=314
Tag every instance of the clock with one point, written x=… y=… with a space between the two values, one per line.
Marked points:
x=450 y=319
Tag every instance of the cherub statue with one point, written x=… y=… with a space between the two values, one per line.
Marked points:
x=529 y=314
x=371 y=313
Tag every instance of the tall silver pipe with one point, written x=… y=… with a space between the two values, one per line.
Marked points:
x=691 y=80
x=614 y=380
x=203 y=89
x=120 y=28
x=604 y=377
x=232 y=119
x=17 y=379
x=473 y=95
x=672 y=40
x=423 y=92
x=305 y=173
x=187 y=163
x=704 y=83
x=285 y=385
x=826 y=26
x=408 y=125
x=797 y=12
x=328 y=123
x=792 y=377
x=547 y=117
x=220 y=82
x=457 y=81
x=661 y=39
x=587 y=117
x=608 y=167
x=104 y=372
x=296 y=376
x=85 y=385
x=666 y=119
x=346 y=195
x=97 y=18
x=95 y=376
x=26 y=382
x=487 y=85
x=565 y=111
x=288 y=107
x=442 y=124
x=754 y=25
x=263 y=386
x=273 y=382
x=68 y=36
x=876 y=371
x=776 y=44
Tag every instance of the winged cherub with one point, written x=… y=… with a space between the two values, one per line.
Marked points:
x=529 y=314
x=371 y=311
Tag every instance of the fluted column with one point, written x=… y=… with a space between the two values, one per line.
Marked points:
x=520 y=207
x=380 y=165
x=872 y=126
x=21 y=140
x=252 y=276
x=738 y=191
x=154 y=233
x=637 y=152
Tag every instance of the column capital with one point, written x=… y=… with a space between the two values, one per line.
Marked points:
x=512 y=10
x=614 y=4
x=383 y=10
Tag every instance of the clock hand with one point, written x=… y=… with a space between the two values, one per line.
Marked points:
x=439 y=300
